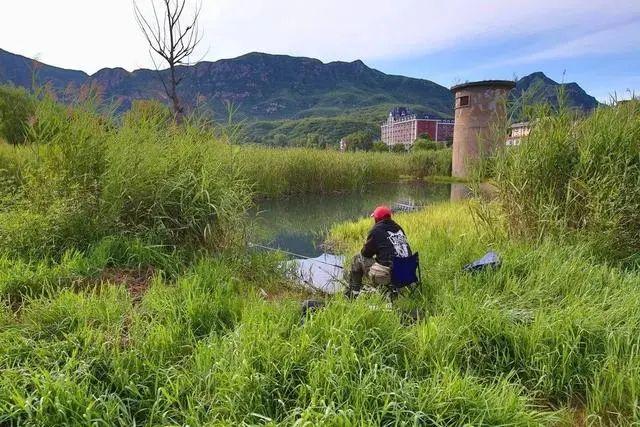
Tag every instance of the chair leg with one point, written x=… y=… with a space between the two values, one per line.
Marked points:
x=414 y=288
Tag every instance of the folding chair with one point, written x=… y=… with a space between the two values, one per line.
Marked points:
x=405 y=273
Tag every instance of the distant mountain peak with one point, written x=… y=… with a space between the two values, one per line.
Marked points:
x=271 y=87
x=536 y=75
x=544 y=89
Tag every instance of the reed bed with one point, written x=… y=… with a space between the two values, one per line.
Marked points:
x=280 y=172
x=123 y=301
x=82 y=176
x=553 y=319
x=577 y=178
x=551 y=338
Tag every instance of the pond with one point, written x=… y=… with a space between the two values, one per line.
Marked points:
x=299 y=224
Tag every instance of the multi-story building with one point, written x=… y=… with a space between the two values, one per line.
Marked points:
x=404 y=127
x=517 y=131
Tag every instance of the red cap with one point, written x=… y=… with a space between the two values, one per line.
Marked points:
x=380 y=213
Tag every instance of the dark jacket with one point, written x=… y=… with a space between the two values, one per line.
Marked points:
x=385 y=241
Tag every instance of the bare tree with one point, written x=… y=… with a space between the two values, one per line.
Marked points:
x=172 y=36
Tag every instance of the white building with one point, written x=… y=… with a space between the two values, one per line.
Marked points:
x=517 y=132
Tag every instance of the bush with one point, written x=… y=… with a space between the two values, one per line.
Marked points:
x=16 y=108
x=577 y=177
x=425 y=144
x=380 y=147
x=398 y=148
x=87 y=179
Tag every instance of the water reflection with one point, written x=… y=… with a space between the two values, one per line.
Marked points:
x=485 y=191
x=299 y=224
x=460 y=192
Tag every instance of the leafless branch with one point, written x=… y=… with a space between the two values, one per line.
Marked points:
x=172 y=37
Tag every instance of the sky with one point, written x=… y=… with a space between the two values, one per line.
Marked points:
x=595 y=43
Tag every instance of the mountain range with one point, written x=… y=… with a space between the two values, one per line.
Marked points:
x=277 y=95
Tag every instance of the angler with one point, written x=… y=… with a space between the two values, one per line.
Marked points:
x=385 y=241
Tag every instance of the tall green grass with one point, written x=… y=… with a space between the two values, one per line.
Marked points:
x=577 y=177
x=13 y=161
x=553 y=319
x=278 y=172
x=549 y=339
x=21 y=279
x=206 y=351
x=82 y=176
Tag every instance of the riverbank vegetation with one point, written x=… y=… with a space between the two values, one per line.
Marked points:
x=126 y=297
x=576 y=178
x=554 y=322
x=279 y=172
x=550 y=338
x=79 y=176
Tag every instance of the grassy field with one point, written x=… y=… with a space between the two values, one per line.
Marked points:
x=554 y=323
x=550 y=338
x=127 y=298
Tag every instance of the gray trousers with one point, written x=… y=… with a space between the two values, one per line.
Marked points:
x=360 y=267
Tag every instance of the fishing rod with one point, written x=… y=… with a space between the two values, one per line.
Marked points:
x=255 y=245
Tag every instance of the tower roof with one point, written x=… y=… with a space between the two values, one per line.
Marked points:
x=507 y=84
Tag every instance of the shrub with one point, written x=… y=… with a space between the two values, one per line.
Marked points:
x=425 y=144
x=16 y=108
x=399 y=148
x=380 y=147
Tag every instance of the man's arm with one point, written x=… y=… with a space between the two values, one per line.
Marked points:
x=369 y=249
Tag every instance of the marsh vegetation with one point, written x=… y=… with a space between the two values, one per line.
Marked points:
x=126 y=296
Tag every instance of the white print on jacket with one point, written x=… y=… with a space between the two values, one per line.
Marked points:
x=399 y=242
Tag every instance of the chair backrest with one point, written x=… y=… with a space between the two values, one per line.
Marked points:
x=404 y=271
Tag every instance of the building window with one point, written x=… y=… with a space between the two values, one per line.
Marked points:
x=463 y=101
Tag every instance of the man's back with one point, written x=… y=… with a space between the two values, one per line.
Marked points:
x=385 y=241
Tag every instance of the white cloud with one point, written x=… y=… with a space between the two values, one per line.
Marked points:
x=620 y=39
x=93 y=34
x=350 y=29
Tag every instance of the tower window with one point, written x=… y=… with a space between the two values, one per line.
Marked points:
x=463 y=101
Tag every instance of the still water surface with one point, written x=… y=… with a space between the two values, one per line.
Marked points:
x=299 y=224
